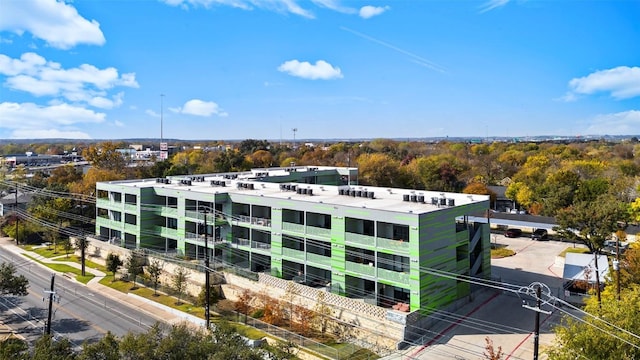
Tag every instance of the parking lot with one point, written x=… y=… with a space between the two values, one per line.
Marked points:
x=500 y=315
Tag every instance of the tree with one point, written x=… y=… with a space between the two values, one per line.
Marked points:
x=324 y=313
x=105 y=349
x=490 y=352
x=135 y=265
x=113 y=263
x=593 y=337
x=592 y=223
x=14 y=348
x=155 y=270
x=179 y=282
x=67 y=245
x=243 y=304
x=630 y=266
x=10 y=284
x=105 y=156
x=46 y=348
x=480 y=189
x=81 y=244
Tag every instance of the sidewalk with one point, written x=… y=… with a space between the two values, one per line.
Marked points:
x=134 y=302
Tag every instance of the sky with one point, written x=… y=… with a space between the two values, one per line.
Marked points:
x=318 y=69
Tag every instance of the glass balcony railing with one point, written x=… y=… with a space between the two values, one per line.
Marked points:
x=395 y=276
x=318 y=231
x=260 y=245
x=363 y=269
x=360 y=239
x=294 y=254
x=291 y=227
x=318 y=259
x=396 y=245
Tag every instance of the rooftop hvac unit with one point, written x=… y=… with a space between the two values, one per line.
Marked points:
x=359 y=193
x=250 y=186
x=213 y=182
x=299 y=191
x=352 y=193
x=414 y=198
x=365 y=193
x=341 y=191
x=434 y=201
x=371 y=196
x=167 y=181
x=222 y=183
x=304 y=191
x=282 y=187
x=451 y=202
x=443 y=201
x=421 y=198
x=405 y=197
x=310 y=192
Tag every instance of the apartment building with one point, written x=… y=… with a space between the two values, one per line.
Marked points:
x=389 y=247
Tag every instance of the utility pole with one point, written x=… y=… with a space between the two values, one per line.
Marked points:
x=536 y=331
x=538 y=310
x=15 y=210
x=595 y=254
x=206 y=270
x=616 y=268
x=51 y=295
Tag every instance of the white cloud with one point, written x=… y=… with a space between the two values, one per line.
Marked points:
x=118 y=123
x=621 y=123
x=29 y=120
x=281 y=6
x=335 y=5
x=200 y=108
x=56 y=22
x=32 y=73
x=152 y=113
x=321 y=70
x=621 y=82
x=492 y=4
x=369 y=11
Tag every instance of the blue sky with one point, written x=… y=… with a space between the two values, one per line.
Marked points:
x=238 y=69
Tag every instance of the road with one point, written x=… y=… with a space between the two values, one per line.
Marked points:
x=79 y=314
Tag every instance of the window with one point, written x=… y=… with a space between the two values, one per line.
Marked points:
x=116 y=215
x=130 y=199
x=172 y=223
x=172 y=202
x=116 y=196
x=131 y=219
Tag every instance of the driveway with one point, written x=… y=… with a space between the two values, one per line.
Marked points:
x=500 y=316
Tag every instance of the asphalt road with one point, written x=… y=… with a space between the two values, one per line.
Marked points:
x=79 y=313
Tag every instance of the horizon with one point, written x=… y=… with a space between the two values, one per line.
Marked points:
x=330 y=69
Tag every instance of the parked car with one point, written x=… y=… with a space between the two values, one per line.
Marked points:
x=513 y=233
x=612 y=247
x=540 y=234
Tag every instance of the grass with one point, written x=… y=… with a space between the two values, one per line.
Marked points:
x=49 y=251
x=88 y=263
x=573 y=250
x=64 y=268
x=501 y=253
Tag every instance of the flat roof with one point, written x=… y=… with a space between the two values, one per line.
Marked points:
x=387 y=199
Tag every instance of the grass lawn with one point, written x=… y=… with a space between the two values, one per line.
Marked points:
x=49 y=251
x=88 y=263
x=573 y=250
x=64 y=268
x=501 y=252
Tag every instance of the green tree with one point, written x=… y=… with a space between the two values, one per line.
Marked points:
x=105 y=156
x=10 y=283
x=14 y=349
x=155 y=270
x=46 y=348
x=105 y=349
x=113 y=263
x=593 y=336
x=135 y=265
x=179 y=282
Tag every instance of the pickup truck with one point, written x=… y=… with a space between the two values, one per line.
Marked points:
x=610 y=247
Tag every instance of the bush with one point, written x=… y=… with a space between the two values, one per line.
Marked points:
x=257 y=314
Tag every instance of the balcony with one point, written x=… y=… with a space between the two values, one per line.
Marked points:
x=320 y=260
x=291 y=227
x=257 y=245
x=293 y=254
x=132 y=208
x=130 y=228
x=105 y=204
x=360 y=239
x=318 y=231
x=251 y=220
x=395 y=276
x=240 y=242
x=165 y=232
x=167 y=211
x=361 y=269
x=395 y=245
x=100 y=221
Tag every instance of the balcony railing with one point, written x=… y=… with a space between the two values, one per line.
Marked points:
x=360 y=239
x=396 y=245
x=133 y=208
x=395 y=276
x=362 y=269
x=292 y=253
x=319 y=259
x=297 y=228
x=260 y=245
x=318 y=231
x=252 y=220
x=241 y=242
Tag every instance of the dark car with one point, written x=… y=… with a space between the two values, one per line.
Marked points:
x=540 y=234
x=513 y=233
